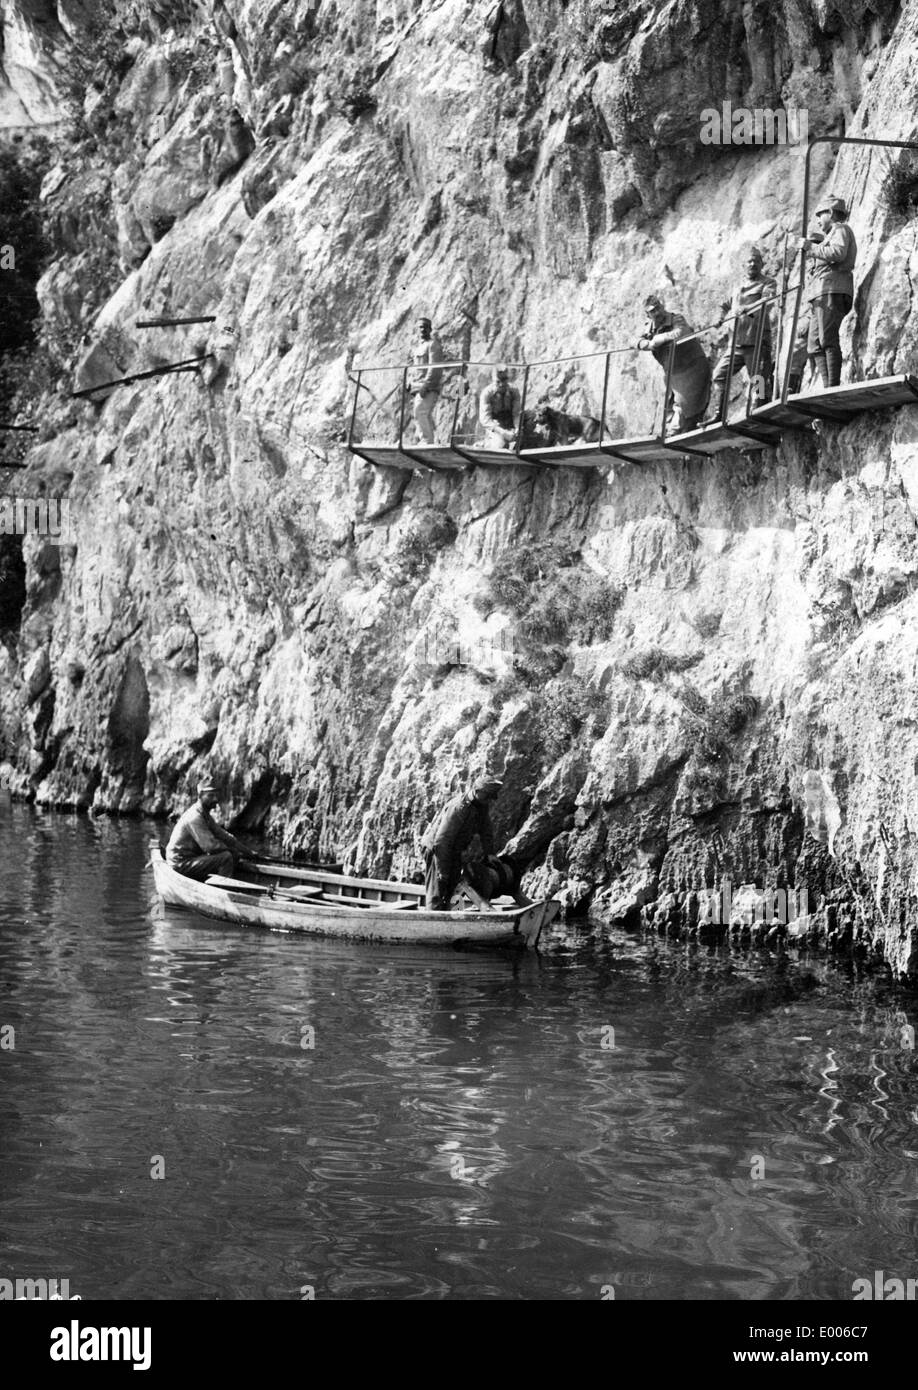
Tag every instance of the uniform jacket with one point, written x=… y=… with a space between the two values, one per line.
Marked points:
x=500 y=405
x=745 y=295
x=673 y=329
x=691 y=376
x=426 y=376
x=198 y=833
x=831 y=263
x=454 y=829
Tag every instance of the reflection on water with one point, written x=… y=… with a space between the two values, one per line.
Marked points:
x=672 y=1122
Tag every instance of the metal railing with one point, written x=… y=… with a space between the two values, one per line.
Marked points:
x=760 y=310
x=458 y=382
x=595 y=381
x=375 y=387
x=807 y=169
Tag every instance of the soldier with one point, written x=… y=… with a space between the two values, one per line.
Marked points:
x=499 y=411
x=745 y=307
x=690 y=382
x=425 y=380
x=829 y=294
x=451 y=833
x=199 y=846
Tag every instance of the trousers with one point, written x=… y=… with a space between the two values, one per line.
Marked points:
x=743 y=357
x=441 y=874
x=205 y=864
x=423 y=412
x=817 y=337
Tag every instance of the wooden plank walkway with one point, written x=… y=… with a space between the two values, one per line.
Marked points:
x=762 y=428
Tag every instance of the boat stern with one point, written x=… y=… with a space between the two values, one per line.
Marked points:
x=535 y=919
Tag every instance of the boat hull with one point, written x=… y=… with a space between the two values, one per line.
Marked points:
x=510 y=927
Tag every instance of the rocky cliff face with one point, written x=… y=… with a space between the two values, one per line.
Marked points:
x=714 y=660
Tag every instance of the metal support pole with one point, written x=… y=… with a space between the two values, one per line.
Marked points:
x=463 y=377
x=189 y=364
x=725 y=403
x=350 y=432
x=401 y=413
x=756 y=355
x=605 y=396
x=519 y=432
x=779 y=334
x=172 y=323
x=669 y=376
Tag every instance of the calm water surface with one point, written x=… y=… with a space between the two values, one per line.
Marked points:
x=458 y=1129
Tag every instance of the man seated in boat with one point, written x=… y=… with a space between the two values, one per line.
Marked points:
x=450 y=835
x=199 y=846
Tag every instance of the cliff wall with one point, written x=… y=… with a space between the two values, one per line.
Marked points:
x=714 y=668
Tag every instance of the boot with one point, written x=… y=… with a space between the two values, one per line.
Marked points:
x=794 y=382
x=833 y=366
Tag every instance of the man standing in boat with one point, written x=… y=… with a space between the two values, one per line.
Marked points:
x=199 y=846
x=451 y=833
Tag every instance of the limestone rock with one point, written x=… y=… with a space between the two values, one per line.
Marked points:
x=723 y=689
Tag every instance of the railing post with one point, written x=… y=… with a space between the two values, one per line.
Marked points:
x=756 y=356
x=605 y=396
x=725 y=403
x=350 y=432
x=401 y=412
x=463 y=377
x=779 y=334
x=669 y=376
x=750 y=387
x=519 y=433
x=792 y=336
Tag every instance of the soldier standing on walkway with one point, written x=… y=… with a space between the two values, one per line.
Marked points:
x=746 y=307
x=829 y=294
x=425 y=379
x=690 y=382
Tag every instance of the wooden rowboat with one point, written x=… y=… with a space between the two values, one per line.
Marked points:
x=317 y=903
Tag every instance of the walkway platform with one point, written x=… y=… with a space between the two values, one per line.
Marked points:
x=761 y=429
x=446 y=457
x=839 y=403
x=438 y=458
x=744 y=434
x=595 y=455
